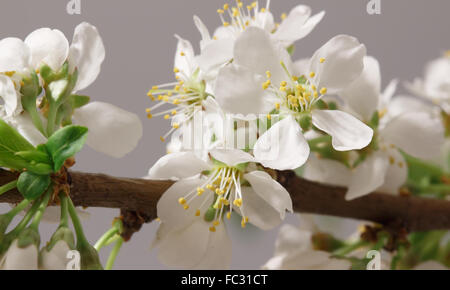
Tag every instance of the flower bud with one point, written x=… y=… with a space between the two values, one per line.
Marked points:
x=54 y=255
x=23 y=252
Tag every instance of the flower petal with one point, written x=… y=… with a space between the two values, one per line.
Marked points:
x=297 y=25
x=255 y=45
x=14 y=55
x=238 y=90
x=24 y=125
x=87 y=54
x=17 y=258
x=327 y=171
x=368 y=176
x=363 y=94
x=11 y=99
x=270 y=191
x=185 y=58
x=283 y=146
x=417 y=133
x=177 y=165
x=204 y=32
x=218 y=253
x=232 y=157
x=56 y=259
x=172 y=213
x=259 y=212
x=291 y=238
x=344 y=62
x=397 y=173
x=48 y=46
x=112 y=130
x=348 y=132
x=183 y=247
x=215 y=54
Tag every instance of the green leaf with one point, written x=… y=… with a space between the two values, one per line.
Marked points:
x=32 y=185
x=65 y=143
x=36 y=156
x=79 y=101
x=10 y=143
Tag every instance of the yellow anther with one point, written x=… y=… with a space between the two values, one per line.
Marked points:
x=220 y=11
x=186 y=207
x=150 y=93
x=323 y=91
x=277 y=106
x=147 y=110
x=312 y=74
x=162 y=139
x=283 y=16
x=182 y=53
x=283 y=89
x=166 y=98
x=314 y=88
x=294 y=78
x=212 y=229
x=166 y=117
x=226 y=6
x=269 y=117
x=316 y=95
x=158 y=219
x=228 y=215
x=200 y=191
x=197 y=212
x=216 y=223
x=283 y=83
x=182 y=201
x=149 y=116
x=240 y=4
x=177 y=88
x=154 y=87
x=238 y=202
x=176 y=70
x=160 y=98
x=174 y=112
x=176 y=125
x=254 y=4
x=176 y=102
x=226 y=24
x=391 y=160
x=169 y=94
x=263 y=10
x=268 y=74
x=210 y=187
x=322 y=60
x=400 y=164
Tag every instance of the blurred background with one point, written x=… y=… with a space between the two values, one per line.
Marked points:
x=140 y=47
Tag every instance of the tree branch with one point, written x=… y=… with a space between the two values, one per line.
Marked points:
x=141 y=196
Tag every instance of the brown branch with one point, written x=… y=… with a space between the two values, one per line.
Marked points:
x=141 y=196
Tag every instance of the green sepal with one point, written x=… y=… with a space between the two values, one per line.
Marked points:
x=62 y=234
x=79 y=101
x=89 y=257
x=27 y=237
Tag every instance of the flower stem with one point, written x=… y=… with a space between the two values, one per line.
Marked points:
x=7 y=187
x=51 y=119
x=350 y=248
x=105 y=238
x=113 y=255
x=64 y=222
x=81 y=238
x=41 y=209
x=18 y=208
x=26 y=219
x=36 y=120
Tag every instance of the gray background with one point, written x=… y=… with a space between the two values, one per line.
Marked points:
x=140 y=46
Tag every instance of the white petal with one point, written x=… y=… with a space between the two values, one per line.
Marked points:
x=183 y=247
x=417 y=133
x=344 y=62
x=327 y=171
x=172 y=213
x=48 y=46
x=204 y=32
x=24 y=125
x=363 y=94
x=388 y=93
x=177 y=165
x=397 y=173
x=20 y=258
x=185 y=58
x=11 y=99
x=348 y=132
x=405 y=104
x=291 y=239
x=301 y=67
x=87 y=53
x=437 y=80
x=283 y=146
x=255 y=45
x=218 y=253
x=232 y=157
x=215 y=54
x=270 y=191
x=238 y=90
x=297 y=25
x=264 y=20
x=368 y=176
x=56 y=259
x=14 y=55
x=112 y=130
x=259 y=212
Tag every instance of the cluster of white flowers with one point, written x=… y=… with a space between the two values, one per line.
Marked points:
x=327 y=113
